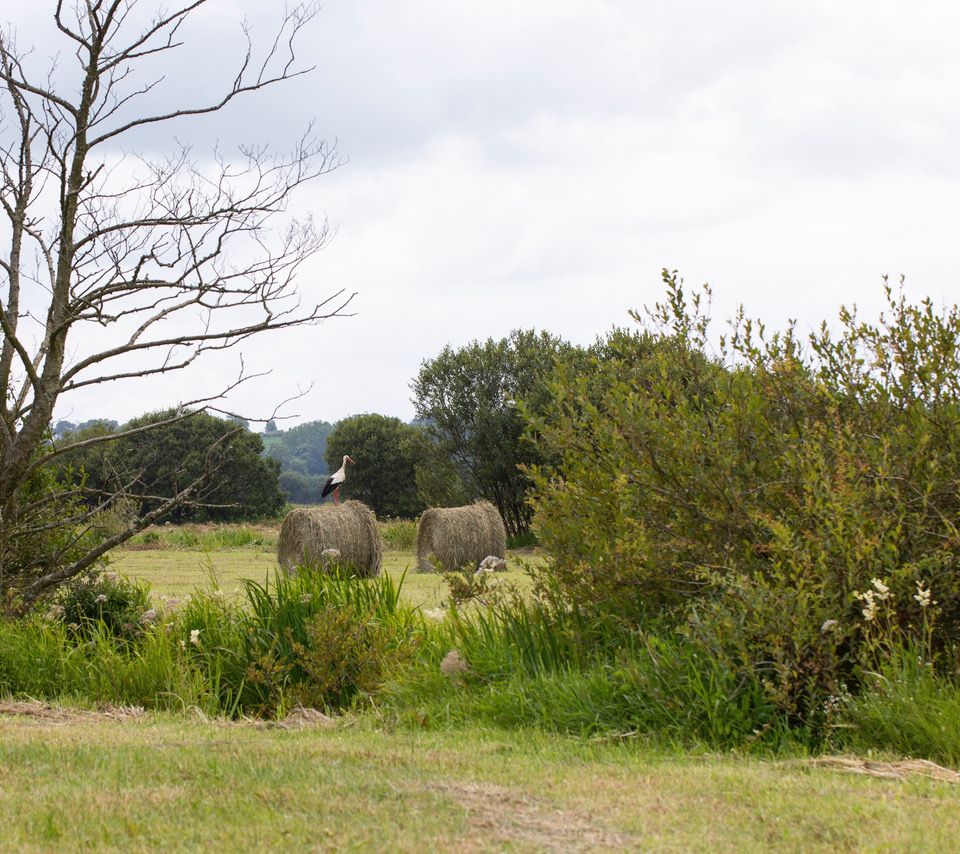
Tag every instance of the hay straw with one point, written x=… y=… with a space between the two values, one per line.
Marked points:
x=350 y=528
x=460 y=537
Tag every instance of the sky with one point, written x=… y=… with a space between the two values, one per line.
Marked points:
x=536 y=164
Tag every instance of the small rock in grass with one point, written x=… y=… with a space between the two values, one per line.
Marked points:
x=453 y=665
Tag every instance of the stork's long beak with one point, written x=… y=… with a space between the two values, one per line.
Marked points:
x=349 y=459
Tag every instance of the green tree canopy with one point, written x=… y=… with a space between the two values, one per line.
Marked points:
x=386 y=452
x=468 y=399
x=151 y=467
x=302 y=448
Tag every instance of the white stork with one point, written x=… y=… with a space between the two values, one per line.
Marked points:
x=334 y=481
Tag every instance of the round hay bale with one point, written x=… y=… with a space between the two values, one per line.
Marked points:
x=460 y=537
x=349 y=528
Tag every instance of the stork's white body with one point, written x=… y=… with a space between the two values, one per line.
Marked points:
x=334 y=481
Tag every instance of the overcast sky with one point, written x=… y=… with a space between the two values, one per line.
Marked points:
x=536 y=164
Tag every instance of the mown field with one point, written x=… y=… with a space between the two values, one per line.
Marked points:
x=191 y=557
x=88 y=781
x=109 y=778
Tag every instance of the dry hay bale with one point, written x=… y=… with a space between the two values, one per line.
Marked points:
x=349 y=528
x=459 y=537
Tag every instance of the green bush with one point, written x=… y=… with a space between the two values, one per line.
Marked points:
x=749 y=494
x=312 y=639
x=399 y=534
x=103 y=601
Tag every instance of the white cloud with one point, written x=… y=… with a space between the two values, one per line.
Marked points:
x=537 y=163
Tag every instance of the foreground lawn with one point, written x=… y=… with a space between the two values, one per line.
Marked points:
x=176 y=572
x=78 y=781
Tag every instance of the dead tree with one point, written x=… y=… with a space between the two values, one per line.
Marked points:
x=167 y=259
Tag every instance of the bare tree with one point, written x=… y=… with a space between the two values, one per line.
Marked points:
x=167 y=259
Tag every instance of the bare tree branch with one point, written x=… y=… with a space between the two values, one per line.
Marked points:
x=169 y=259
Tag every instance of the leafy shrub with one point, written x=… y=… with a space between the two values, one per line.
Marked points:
x=103 y=600
x=314 y=638
x=45 y=528
x=751 y=494
x=399 y=534
x=317 y=639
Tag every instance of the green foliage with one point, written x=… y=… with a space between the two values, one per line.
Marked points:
x=301 y=450
x=42 y=658
x=399 y=534
x=438 y=482
x=467 y=399
x=153 y=466
x=310 y=639
x=103 y=601
x=527 y=666
x=46 y=526
x=386 y=452
x=751 y=495
x=905 y=707
x=206 y=538
x=300 y=488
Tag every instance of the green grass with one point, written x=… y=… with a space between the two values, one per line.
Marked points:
x=206 y=537
x=170 y=783
x=176 y=572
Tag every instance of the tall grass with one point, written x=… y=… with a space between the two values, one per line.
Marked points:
x=204 y=538
x=312 y=638
x=527 y=666
x=905 y=707
x=44 y=660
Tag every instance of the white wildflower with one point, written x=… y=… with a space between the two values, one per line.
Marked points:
x=882 y=591
x=195 y=637
x=148 y=617
x=870 y=610
x=832 y=704
x=827 y=626
x=923 y=596
x=102 y=599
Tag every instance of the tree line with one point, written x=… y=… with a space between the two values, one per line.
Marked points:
x=467 y=442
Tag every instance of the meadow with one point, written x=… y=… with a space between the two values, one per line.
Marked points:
x=536 y=757
x=178 y=560
x=79 y=780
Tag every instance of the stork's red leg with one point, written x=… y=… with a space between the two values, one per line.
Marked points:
x=336 y=495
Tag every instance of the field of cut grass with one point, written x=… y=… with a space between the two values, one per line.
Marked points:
x=191 y=555
x=84 y=781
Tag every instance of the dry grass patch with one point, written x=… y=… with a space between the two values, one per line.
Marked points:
x=507 y=817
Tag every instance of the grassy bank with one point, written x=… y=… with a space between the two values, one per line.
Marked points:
x=82 y=781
